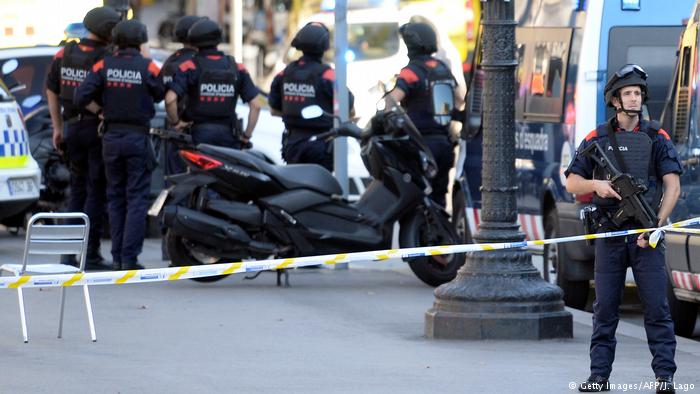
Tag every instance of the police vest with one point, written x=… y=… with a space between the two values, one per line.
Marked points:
x=635 y=149
x=301 y=88
x=126 y=96
x=214 y=96
x=75 y=66
x=171 y=65
x=431 y=98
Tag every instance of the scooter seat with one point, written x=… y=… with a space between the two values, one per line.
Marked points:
x=292 y=176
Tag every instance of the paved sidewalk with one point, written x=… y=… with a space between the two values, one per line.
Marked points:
x=339 y=331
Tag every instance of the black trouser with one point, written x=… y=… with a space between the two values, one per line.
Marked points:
x=87 y=180
x=612 y=257
x=126 y=159
x=443 y=151
x=297 y=149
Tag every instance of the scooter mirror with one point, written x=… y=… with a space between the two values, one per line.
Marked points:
x=311 y=112
x=9 y=66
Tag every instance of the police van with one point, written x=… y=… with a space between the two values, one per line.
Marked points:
x=680 y=117
x=19 y=172
x=566 y=50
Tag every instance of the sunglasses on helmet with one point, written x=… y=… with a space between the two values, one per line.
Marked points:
x=629 y=69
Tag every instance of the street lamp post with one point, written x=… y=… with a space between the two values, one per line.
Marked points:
x=498 y=294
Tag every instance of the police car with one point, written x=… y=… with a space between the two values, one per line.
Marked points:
x=19 y=172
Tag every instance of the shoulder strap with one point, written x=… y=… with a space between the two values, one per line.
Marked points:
x=616 y=148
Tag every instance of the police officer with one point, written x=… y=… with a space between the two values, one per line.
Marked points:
x=212 y=83
x=173 y=162
x=417 y=88
x=630 y=141
x=123 y=89
x=305 y=82
x=69 y=68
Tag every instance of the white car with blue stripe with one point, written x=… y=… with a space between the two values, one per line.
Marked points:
x=19 y=173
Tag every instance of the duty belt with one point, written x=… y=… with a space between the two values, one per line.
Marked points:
x=80 y=118
x=130 y=126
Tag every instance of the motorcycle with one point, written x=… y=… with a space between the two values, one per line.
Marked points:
x=232 y=205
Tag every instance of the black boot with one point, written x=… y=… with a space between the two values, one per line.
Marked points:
x=94 y=260
x=594 y=384
x=69 y=259
x=664 y=384
x=132 y=266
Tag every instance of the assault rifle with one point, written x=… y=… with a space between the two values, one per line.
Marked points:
x=633 y=204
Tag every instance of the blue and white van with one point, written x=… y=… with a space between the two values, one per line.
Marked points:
x=566 y=51
x=19 y=172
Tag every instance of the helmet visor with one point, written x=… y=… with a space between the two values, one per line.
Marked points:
x=627 y=70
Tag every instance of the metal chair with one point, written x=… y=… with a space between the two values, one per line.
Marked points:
x=46 y=238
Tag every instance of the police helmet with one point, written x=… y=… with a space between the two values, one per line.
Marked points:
x=312 y=39
x=628 y=75
x=100 y=21
x=183 y=25
x=204 y=33
x=129 y=33
x=419 y=37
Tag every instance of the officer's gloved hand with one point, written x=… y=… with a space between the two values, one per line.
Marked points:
x=245 y=143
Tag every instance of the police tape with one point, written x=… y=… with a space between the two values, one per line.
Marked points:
x=201 y=271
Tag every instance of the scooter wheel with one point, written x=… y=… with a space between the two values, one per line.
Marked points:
x=181 y=256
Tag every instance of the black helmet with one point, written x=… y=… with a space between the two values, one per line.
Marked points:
x=183 y=25
x=130 y=33
x=628 y=75
x=312 y=39
x=204 y=33
x=100 y=21
x=419 y=37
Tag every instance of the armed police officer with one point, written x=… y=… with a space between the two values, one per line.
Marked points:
x=305 y=82
x=644 y=151
x=421 y=88
x=123 y=89
x=76 y=128
x=212 y=83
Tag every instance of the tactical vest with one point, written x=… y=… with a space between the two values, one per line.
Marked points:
x=75 y=66
x=636 y=151
x=214 y=96
x=301 y=88
x=126 y=96
x=425 y=100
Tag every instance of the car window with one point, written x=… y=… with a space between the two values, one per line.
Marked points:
x=32 y=73
x=366 y=41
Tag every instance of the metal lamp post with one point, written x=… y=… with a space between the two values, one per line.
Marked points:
x=498 y=294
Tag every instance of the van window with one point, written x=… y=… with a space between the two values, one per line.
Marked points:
x=545 y=73
x=651 y=47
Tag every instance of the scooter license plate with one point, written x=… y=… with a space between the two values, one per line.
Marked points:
x=158 y=203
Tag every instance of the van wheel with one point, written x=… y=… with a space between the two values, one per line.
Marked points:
x=683 y=313
x=554 y=261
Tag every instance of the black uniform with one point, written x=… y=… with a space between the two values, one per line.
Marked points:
x=415 y=80
x=127 y=86
x=649 y=154
x=303 y=83
x=212 y=83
